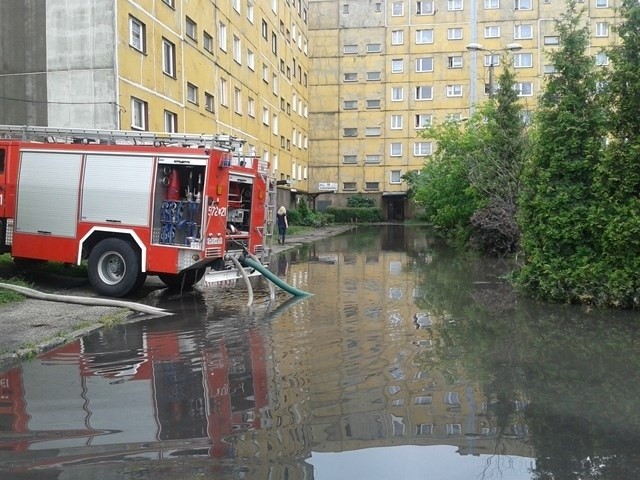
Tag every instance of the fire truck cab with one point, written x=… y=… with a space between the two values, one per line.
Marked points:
x=131 y=204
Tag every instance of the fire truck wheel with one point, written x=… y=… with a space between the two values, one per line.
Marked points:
x=114 y=267
x=185 y=279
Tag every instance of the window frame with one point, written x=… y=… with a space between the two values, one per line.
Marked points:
x=168 y=58
x=133 y=21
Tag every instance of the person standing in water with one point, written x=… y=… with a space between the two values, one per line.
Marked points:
x=283 y=223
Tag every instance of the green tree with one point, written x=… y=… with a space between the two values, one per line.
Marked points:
x=558 y=180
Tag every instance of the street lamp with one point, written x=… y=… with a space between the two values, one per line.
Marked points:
x=477 y=47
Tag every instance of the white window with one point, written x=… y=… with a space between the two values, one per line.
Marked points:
x=350 y=159
x=251 y=60
x=602 y=3
x=372 y=159
x=602 y=29
x=424 y=36
x=523 y=5
x=373 y=103
x=453 y=5
x=265 y=116
x=372 y=185
x=395 y=176
x=523 y=60
x=168 y=58
x=250 y=11
x=251 y=107
x=265 y=73
x=350 y=105
x=191 y=29
x=345 y=8
x=350 y=132
x=377 y=7
x=492 y=31
x=602 y=59
x=424 y=92
x=492 y=60
x=454 y=61
x=137 y=34
x=397 y=65
x=373 y=76
x=454 y=90
x=454 y=33
x=421 y=149
x=237 y=101
x=236 y=5
x=222 y=36
x=424 y=64
x=171 y=3
x=170 y=122
x=349 y=186
x=192 y=93
x=274 y=123
x=395 y=149
x=422 y=120
x=521 y=32
x=425 y=8
x=454 y=117
x=207 y=42
x=491 y=4
x=139 y=114
x=372 y=131
x=350 y=77
x=209 y=102
x=237 y=50
x=397 y=94
x=397 y=9
x=374 y=48
x=396 y=122
x=350 y=49
x=397 y=37
x=524 y=89
x=549 y=68
x=552 y=40
x=223 y=94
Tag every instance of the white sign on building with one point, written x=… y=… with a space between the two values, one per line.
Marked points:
x=323 y=187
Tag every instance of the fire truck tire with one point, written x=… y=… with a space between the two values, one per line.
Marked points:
x=114 y=268
x=185 y=279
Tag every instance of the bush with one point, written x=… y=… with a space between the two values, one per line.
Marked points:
x=359 y=200
x=359 y=215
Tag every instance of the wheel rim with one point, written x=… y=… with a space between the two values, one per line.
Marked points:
x=111 y=268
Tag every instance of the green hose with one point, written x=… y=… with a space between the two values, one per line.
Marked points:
x=247 y=262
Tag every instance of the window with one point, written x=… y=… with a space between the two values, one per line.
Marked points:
x=237 y=50
x=171 y=3
x=372 y=131
x=274 y=125
x=265 y=73
x=350 y=104
x=523 y=60
x=491 y=4
x=350 y=77
x=372 y=159
x=350 y=49
x=208 y=102
x=424 y=64
x=350 y=132
x=552 y=40
x=223 y=93
x=602 y=29
x=454 y=33
x=423 y=429
x=492 y=60
x=372 y=185
x=192 y=93
x=522 y=32
x=492 y=31
x=265 y=116
x=373 y=103
x=251 y=107
x=237 y=101
x=274 y=43
x=455 y=117
x=422 y=149
x=251 y=60
x=602 y=3
x=454 y=61
x=523 y=4
x=374 y=48
x=453 y=5
x=425 y=8
x=170 y=122
x=139 y=114
x=602 y=59
x=349 y=186
x=191 y=29
x=207 y=42
x=236 y=5
x=454 y=90
x=397 y=9
x=397 y=65
x=424 y=36
x=377 y=7
x=422 y=120
x=397 y=94
x=397 y=37
x=264 y=30
x=524 y=89
x=549 y=69
x=395 y=149
x=222 y=36
x=373 y=76
x=395 y=176
x=396 y=122
x=350 y=159
x=250 y=11
x=424 y=92
x=454 y=429
x=168 y=58
x=137 y=34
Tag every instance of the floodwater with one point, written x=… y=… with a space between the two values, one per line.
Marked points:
x=408 y=362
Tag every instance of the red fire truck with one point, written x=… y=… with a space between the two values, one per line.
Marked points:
x=131 y=204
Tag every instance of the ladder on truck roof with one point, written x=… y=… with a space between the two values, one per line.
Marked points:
x=120 y=137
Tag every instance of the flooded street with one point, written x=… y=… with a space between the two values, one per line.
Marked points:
x=408 y=362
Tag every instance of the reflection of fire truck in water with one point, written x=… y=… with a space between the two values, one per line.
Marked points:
x=131 y=204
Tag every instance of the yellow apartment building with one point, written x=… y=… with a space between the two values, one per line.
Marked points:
x=380 y=71
x=334 y=94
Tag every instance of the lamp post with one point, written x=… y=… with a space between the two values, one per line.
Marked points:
x=477 y=47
